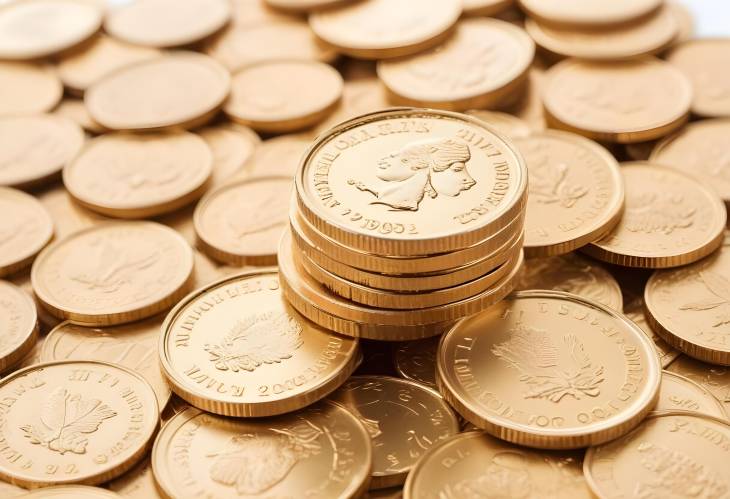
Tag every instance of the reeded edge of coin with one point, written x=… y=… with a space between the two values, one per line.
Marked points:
x=9 y=358
x=77 y=491
x=717 y=403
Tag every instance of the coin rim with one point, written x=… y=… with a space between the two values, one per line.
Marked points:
x=17 y=352
x=704 y=391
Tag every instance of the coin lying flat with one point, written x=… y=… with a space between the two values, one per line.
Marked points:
x=75 y=110
x=377 y=29
x=167 y=23
x=678 y=393
x=634 y=310
x=403 y=418
x=506 y=124
x=283 y=95
x=72 y=492
x=576 y=192
x=278 y=156
x=113 y=273
x=547 y=375
x=137 y=483
x=75 y=422
x=629 y=101
x=232 y=145
x=296 y=6
x=18 y=323
x=38 y=28
x=670 y=219
x=148 y=95
x=67 y=216
x=28 y=88
x=714 y=379
x=136 y=176
x=320 y=451
x=484 y=60
x=23 y=234
x=241 y=222
x=485 y=7
x=416 y=360
x=588 y=13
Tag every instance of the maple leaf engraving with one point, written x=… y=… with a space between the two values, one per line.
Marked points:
x=258 y=339
x=658 y=212
x=65 y=420
x=533 y=353
x=720 y=289
x=549 y=184
x=107 y=267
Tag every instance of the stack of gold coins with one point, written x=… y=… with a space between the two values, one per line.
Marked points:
x=404 y=221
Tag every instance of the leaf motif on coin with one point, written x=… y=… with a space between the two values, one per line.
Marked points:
x=270 y=213
x=720 y=288
x=653 y=212
x=266 y=338
x=65 y=419
x=107 y=268
x=533 y=353
x=549 y=184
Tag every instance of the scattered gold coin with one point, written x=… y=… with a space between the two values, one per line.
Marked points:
x=25 y=233
x=232 y=145
x=678 y=393
x=279 y=155
x=75 y=110
x=137 y=483
x=18 y=323
x=298 y=6
x=71 y=492
x=504 y=123
x=714 y=379
x=589 y=13
x=634 y=310
x=28 y=88
x=416 y=360
x=485 y=7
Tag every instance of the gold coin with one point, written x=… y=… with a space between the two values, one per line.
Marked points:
x=669 y=454
x=113 y=273
x=634 y=310
x=409 y=182
x=404 y=420
x=359 y=96
x=72 y=492
x=18 y=323
x=714 y=379
x=639 y=151
x=530 y=108
x=589 y=13
x=75 y=110
x=576 y=192
x=283 y=95
x=377 y=29
x=148 y=95
x=474 y=463
x=75 y=422
x=68 y=217
x=625 y=102
x=102 y=56
x=167 y=23
x=136 y=176
x=416 y=360
x=8 y=490
x=321 y=451
x=34 y=148
x=670 y=219
x=232 y=145
x=24 y=233
x=485 y=7
x=298 y=6
x=277 y=156
x=504 y=123
x=137 y=483
x=575 y=274
x=705 y=62
x=484 y=61
x=678 y=393
x=240 y=223
x=38 y=28
x=133 y=346
x=556 y=371
x=685 y=19
x=28 y=88
x=251 y=355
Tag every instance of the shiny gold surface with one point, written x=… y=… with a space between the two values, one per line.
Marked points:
x=416 y=360
x=714 y=379
x=678 y=393
x=24 y=233
x=18 y=323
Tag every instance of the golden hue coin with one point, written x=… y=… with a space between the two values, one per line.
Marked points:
x=625 y=102
x=556 y=371
x=714 y=379
x=18 y=323
x=593 y=13
x=321 y=451
x=113 y=273
x=74 y=422
x=634 y=310
x=75 y=110
x=475 y=463
x=277 y=156
x=639 y=151
x=485 y=7
x=678 y=393
x=72 y=492
x=34 y=148
x=28 y=88
x=133 y=346
x=404 y=420
x=136 y=176
x=237 y=348
x=8 y=490
x=38 y=28
x=359 y=96
x=416 y=360
x=484 y=61
x=685 y=19
x=376 y=29
x=68 y=217
x=148 y=95
x=283 y=95
x=240 y=223
x=504 y=123
x=576 y=192
x=25 y=228
x=296 y=6
x=670 y=219
x=167 y=23
x=137 y=483
x=673 y=454
x=232 y=145
x=530 y=108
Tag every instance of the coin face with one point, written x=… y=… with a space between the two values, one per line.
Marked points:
x=68 y=217
x=630 y=101
x=485 y=7
x=403 y=418
x=113 y=273
x=75 y=110
x=28 y=88
x=548 y=375
x=75 y=422
x=386 y=28
x=133 y=176
x=669 y=219
x=576 y=192
x=241 y=222
x=634 y=310
x=411 y=182
x=714 y=379
x=232 y=145
x=34 y=148
x=671 y=453
x=416 y=360
x=678 y=393
x=137 y=483
x=147 y=95
x=71 y=492
x=23 y=234
x=504 y=123
x=18 y=323
x=278 y=156
x=590 y=12
x=473 y=69
x=297 y=454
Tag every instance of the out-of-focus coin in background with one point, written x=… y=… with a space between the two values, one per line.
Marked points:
x=28 y=88
x=25 y=229
x=19 y=324
x=591 y=13
x=232 y=145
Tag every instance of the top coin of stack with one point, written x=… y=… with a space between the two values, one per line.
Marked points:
x=410 y=219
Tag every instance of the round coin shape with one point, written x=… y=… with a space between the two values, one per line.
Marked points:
x=139 y=482
x=670 y=219
x=298 y=454
x=634 y=310
x=72 y=492
x=18 y=323
x=113 y=273
x=278 y=156
x=232 y=145
x=678 y=393
x=714 y=379
x=506 y=124
x=24 y=233
x=589 y=13
x=416 y=360
x=556 y=371
x=376 y=29
x=148 y=95
x=135 y=176
x=485 y=60
x=75 y=110
x=485 y=7
x=75 y=422
x=28 y=88
x=236 y=348
x=625 y=102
